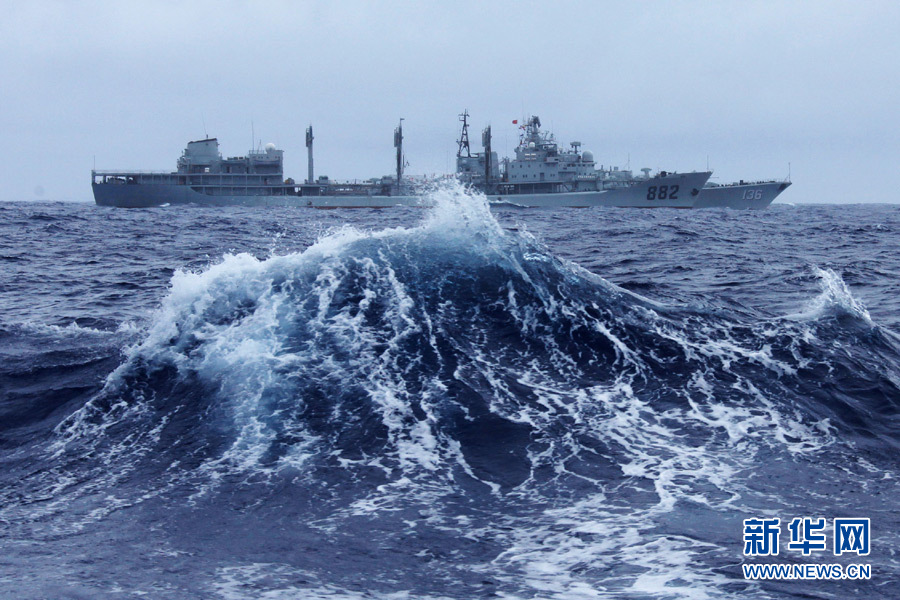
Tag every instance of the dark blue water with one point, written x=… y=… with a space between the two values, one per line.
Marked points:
x=447 y=403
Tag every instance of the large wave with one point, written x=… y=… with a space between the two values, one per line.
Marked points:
x=451 y=345
x=456 y=360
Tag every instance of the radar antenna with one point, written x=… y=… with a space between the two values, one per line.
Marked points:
x=464 y=136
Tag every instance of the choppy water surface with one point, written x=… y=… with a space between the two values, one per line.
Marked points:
x=446 y=403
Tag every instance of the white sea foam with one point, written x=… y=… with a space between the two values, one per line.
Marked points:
x=273 y=581
x=834 y=299
x=73 y=329
x=254 y=331
x=228 y=325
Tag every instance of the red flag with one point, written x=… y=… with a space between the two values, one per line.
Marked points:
x=515 y=122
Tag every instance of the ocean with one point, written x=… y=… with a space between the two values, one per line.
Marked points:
x=453 y=402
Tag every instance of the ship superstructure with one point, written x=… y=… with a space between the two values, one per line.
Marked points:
x=541 y=165
x=542 y=173
x=202 y=168
x=478 y=169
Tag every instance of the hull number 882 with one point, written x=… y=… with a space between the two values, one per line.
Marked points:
x=662 y=192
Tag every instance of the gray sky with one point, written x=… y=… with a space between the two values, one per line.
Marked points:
x=751 y=85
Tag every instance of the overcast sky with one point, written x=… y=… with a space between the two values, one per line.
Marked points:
x=748 y=86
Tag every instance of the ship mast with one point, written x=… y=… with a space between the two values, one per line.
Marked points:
x=464 y=136
x=398 y=144
x=309 y=152
x=486 y=142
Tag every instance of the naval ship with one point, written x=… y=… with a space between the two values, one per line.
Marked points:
x=204 y=177
x=540 y=174
x=544 y=174
x=754 y=195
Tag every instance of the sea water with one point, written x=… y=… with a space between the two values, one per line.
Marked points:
x=454 y=402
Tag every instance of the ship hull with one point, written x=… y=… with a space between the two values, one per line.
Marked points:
x=150 y=195
x=754 y=196
x=644 y=194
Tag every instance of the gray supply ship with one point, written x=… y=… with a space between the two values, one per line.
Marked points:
x=541 y=174
x=204 y=177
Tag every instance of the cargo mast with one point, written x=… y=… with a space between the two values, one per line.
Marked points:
x=486 y=142
x=309 y=152
x=398 y=144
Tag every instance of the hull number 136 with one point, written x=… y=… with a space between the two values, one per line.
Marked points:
x=752 y=195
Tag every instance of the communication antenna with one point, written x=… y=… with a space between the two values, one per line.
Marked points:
x=202 y=120
x=464 y=136
x=252 y=136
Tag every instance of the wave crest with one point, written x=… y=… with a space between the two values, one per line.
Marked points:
x=455 y=351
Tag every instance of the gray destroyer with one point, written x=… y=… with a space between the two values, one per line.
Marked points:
x=541 y=174
x=754 y=195
x=544 y=174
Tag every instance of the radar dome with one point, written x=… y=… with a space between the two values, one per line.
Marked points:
x=587 y=156
x=270 y=146
x=531 y=144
